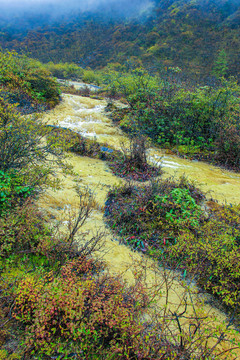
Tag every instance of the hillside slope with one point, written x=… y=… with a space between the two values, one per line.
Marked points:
x=194 y=35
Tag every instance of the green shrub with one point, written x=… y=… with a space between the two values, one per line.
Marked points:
x=11 y=190
x=166 y=220
x=64 y=70
x=22 y=229
x=154 y=214
x=228 y=147
x=90 y=76
x=128 y=83
x=27 y=147
x=214 y=252
x=20 y=72
x=43 y=88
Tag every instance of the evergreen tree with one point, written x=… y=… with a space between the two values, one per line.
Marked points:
x=220 y=66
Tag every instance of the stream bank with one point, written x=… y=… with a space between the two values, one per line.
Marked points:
x=86 y=116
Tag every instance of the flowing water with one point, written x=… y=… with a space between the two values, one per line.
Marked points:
x=86 y=116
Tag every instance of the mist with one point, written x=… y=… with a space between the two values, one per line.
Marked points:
x=23 y=15
x=56 y=8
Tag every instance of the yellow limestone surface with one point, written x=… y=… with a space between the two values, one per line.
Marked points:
x=86 y=116
x=168 y=290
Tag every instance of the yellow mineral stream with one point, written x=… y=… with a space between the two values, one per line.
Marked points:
x=86 y=116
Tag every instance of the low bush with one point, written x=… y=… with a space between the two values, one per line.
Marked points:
x=213 y=253
x=64 y=70
x=28 y=150
x=132 y=163
x=78 y=313
x=25 y=104
x=228 y=147
x=21 y=230
x=91 y=77
x=91 y=148
x=62 y=300
x=167 y=220
x=85 y=313
x=155 y=213
x=21 y=75
x=43 y=88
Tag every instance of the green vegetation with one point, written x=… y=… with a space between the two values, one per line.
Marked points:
x=28 y=150
x=199 y=121
x=171 y=221
x=25 y=81
x=12 y=189
x=64 y=70
x=220 y=66
x=58 y=300
x=201 y=37
x=72 y=71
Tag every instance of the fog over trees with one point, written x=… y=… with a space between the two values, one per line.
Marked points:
x=61 y=7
